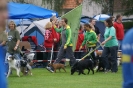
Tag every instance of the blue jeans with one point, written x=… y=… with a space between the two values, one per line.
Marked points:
x=120 y=44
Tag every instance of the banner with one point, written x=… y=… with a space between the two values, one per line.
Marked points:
x=73 y=17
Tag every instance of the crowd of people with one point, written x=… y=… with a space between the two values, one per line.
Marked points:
x=59 y=30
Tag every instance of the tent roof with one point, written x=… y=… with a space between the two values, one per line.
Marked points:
x=27 y=11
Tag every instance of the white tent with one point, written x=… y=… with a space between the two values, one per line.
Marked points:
x=40 y=24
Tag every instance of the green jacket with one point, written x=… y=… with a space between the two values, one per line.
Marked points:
x=68 y=35
x=90 y=39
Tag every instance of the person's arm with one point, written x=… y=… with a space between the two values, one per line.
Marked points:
x=18 y=40
x=57 y=29
x=4 y=40
x=3 y=43
x=84 y=41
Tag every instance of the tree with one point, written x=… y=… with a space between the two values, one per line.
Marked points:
x=107 y=6
x=128 y=7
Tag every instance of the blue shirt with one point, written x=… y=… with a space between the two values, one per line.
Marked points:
x=127 y=59
x=2 y=70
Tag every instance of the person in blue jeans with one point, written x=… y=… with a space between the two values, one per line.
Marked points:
x=3 y=18
x=127 y=60
x=110 y=47
x=13 y=40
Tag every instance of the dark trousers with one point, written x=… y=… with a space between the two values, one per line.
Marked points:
x=68 y=51
x=93 y=53
x=112 y=51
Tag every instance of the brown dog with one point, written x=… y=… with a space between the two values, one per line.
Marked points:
x=57 y=66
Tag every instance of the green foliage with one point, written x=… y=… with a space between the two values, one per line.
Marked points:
x=128 y=6
x=43 y=79
x=128 y=25
x=56 y=5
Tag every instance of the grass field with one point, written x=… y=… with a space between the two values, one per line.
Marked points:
x=43 y=79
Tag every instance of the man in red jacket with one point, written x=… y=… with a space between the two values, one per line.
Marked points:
x=119 y=29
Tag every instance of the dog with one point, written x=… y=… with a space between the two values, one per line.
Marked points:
x=82 y=65
x=26 y=63
x=13 y=64
x=101 y=67
x=57 y=66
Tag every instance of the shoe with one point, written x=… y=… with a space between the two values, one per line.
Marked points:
x=49 y=69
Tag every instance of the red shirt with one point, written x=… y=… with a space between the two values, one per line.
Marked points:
x=80 y=40
x=119 y=30
x=49 y=37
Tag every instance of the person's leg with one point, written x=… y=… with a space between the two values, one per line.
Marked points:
x=113 y=51
x=60 y=55
x=104 y=56
x=6 y=63
x=70 y=54
x=120 y=44
x=17 y=56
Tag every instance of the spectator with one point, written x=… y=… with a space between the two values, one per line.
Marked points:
x=90 y=39
x=110 y=46
x=80 y=39
x=112 y=18
x=66 y=46
x=3 y=18
x=13 y=41
x=127 y=60
x=95 y=28
x=119 y=29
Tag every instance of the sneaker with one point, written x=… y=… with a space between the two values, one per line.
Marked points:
x=49 y=69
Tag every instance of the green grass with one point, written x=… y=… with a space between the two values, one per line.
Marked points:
x=43 y=79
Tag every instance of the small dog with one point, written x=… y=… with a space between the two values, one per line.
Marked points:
x=81 y=65
x=13 y=64
x=100 y=64
x=57 y=66
x=26 y=63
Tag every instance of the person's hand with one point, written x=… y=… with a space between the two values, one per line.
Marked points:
x=55 y=40
x=55 y=26
x=65 y=46
x=103 y=42
x=80 y=47
x=15 y=48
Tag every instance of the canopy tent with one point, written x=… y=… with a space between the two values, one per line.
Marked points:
x=37 y=29
x=101 y=17
x=28 y=11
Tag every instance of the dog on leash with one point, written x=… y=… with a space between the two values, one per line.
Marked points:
x=13 y=64
x=57 y=66
x=82 y=65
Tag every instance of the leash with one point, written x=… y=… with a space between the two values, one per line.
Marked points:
x=90 y=52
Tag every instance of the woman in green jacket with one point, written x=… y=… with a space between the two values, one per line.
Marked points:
x=90 y=39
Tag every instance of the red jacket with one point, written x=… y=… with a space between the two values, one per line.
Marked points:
x=49 y=37
x=119 y=30
x=80 y=40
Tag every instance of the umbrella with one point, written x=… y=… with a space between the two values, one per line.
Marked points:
x=101 y=17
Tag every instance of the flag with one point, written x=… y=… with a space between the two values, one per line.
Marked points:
x=73 y=17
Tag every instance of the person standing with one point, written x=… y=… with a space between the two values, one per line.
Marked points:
x=78 y=54
x=127 y=60
x=13 y=41
x=110 y=47
x=3 y=18
x=95 y=28
x=119 y=29
x=90 y=40
x=66 y=46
